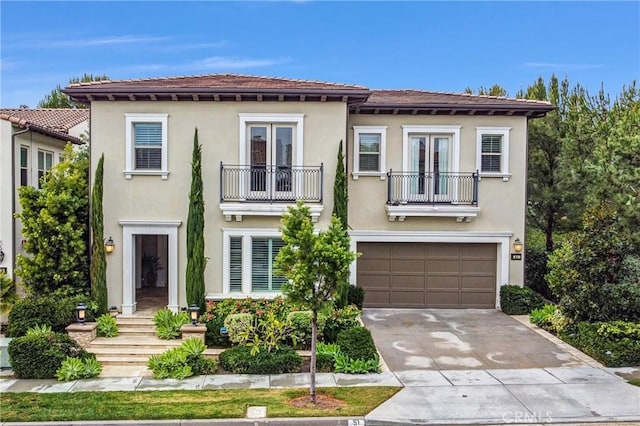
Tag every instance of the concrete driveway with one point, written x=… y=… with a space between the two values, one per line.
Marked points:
x=461 y=339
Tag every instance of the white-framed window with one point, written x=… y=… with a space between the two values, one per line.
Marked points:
x=146 y=145
x=249 y=261
x=45 y=162
x=24 y=165
x=492 y=152
x=369 y=151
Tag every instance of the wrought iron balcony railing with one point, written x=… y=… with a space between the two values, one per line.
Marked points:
x=270 y=184
x=432 y=188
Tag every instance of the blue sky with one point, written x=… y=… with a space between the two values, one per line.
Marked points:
x=422 y=45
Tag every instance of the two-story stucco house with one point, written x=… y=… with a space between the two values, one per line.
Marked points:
x=436 y=183
x=31 y=141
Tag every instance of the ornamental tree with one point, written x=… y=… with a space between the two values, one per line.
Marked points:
x=340 y=199
x=196 y=262
x=98 y=257
x=314 y=264
x=55 y=226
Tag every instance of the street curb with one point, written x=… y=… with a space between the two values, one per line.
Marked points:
x=285 y=421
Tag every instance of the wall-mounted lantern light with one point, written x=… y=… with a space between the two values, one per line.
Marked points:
x=1 y=253
x=518 y=246
x=81 y=313
x=193 y=310
x=109 y=245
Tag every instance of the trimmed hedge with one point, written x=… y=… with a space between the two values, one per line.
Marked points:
x=40 y=356
x=615 y=343
x=240 y=361
x=300 y=323
x=516 y=300
x=357 y=343
x=355 y=296
x=56 y=312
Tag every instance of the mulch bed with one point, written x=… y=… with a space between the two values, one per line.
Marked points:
x=322 y=401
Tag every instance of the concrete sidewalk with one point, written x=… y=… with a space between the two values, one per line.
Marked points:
x=492 y=396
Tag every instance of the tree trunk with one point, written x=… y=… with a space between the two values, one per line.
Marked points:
x=312 y=367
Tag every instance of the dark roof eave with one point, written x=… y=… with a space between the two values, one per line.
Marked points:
x=52 y=133
x=449 y=107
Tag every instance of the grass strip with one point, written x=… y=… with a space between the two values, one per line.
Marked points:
x=203 y=404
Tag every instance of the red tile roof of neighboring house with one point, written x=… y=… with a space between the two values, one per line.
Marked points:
x=54 y=122
x=236 y=87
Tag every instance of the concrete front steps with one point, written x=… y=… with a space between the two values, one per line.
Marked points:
x=126 y=355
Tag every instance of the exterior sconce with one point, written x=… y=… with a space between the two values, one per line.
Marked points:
x=113 y=310
x=81 y=313
x=1 y=253
x=193 y=311
x=517 y=246
x=109 y=245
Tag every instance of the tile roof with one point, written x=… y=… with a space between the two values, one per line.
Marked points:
x=55 y=122
x=228 y=81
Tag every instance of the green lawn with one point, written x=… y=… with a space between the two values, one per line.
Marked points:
x=635 y=382
x=205 y=404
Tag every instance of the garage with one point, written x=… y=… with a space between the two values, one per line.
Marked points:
x=427 y=275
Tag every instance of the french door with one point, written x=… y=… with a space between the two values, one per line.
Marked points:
x=429 y=162
x=270 y=160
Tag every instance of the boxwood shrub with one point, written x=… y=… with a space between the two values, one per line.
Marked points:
x=355 y=296
x=240 y=361
x=357 y=343
x=516 y=300
x=300 y=323
x=54 y=311
x=40 y=356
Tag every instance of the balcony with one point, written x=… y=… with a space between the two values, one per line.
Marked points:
x=432 y=194
x=267 y=190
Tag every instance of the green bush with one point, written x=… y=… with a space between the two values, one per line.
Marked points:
x=239 y=360
x=542 y=316
x=340 y=320
x=345 y=364
x=236 y=324
x=216 y=312
x=326 y=356
x=168 y=323
x=355 y=296
x=76 y=368
x=357 y=343
x=516 y=300
x=535 y=271
x=39 y=357
x=184 y=361
x=595 y=273
x=300 y=323
x=54 y=310
x=615 y=344
x=107 y=326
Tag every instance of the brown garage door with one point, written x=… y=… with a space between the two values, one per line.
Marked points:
x=434 y=275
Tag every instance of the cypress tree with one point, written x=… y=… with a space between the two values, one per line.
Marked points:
x=340 y=196
x=340 y=199
x=196 y=261
x=98 y=259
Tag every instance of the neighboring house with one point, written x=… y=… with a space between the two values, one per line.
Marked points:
x=31 y=141
x=432 y=230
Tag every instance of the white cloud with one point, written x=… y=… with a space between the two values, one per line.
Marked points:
x=553 y=65
x=107 y=41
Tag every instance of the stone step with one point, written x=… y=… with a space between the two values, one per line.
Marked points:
x=130 y=322
x=136 y=331
x=131 y=370
x=133 y=341
x=123 y=359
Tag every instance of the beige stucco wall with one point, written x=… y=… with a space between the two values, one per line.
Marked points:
x=502 y=203
x=151 y=198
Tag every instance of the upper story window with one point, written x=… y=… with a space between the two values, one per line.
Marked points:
x=146 y=145
x=492 y=152
x=369 y=151
x=24 y=166
x=45 y=162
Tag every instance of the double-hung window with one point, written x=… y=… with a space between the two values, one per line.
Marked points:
x=492 y=148
x=45 y=162
x=369 y=151
x=249 y=265
x=146 y=140
x=24 y=165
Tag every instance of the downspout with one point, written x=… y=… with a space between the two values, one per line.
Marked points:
x=13 y=198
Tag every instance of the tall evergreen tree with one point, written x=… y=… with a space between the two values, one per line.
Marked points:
x=340 y=200
x=55 y=225
x=98 y=259
x=196 y=261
